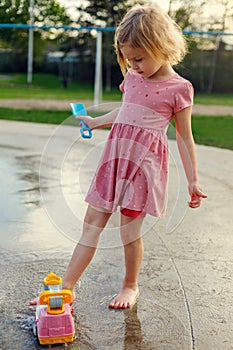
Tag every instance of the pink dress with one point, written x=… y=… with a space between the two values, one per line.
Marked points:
x=133 y=170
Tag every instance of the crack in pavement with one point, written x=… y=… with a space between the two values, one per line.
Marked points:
x=186 y=302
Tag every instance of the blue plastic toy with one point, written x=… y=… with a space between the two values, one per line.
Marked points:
x=78 y=109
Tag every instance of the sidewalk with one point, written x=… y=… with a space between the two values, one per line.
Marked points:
x=186 y=279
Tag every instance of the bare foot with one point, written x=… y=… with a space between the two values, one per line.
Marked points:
x=125 y=299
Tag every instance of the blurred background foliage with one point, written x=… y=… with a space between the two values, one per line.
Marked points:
x=71 y=54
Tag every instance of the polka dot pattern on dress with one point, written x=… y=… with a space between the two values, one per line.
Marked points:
x=133 y=169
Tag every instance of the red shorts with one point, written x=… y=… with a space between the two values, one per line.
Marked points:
x=133 y=213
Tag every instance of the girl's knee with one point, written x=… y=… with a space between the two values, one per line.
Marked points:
x=131 y=231
x=95 y=218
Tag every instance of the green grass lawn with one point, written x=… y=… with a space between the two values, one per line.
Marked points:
x=213 y=99
x=207 y=130
x=36 y=116
x=212 y=131
x=48 y=86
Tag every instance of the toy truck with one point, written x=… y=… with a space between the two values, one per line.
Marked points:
x=54 y=323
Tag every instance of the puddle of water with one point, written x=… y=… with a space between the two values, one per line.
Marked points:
x=104 y=330
x=24 y=225
x=146 y=326
x=10 y=208
x=30 y=247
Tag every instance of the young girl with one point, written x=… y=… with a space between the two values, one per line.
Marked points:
x=133 y=170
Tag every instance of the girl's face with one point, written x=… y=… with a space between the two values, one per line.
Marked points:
x=140 y=61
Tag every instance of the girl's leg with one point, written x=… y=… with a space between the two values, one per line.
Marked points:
x=133 y=248
x=94 y=223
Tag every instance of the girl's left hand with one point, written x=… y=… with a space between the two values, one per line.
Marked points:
x=196 y=195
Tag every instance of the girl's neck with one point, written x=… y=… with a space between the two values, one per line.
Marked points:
x=163 y=73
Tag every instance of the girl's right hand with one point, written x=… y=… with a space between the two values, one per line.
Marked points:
x=89 y=121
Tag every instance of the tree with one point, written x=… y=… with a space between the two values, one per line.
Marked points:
x=219 y=24
x=105 y=13
x=186 y=14
x=209 y=60
x=48 y=12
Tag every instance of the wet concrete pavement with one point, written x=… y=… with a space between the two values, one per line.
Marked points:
x=186 y=279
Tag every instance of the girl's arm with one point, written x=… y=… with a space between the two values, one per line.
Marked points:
x=186 y=146
x=100 y=122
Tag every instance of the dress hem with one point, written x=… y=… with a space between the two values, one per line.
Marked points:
x=112 y=211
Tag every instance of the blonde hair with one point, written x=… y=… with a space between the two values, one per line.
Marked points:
x=149 y=28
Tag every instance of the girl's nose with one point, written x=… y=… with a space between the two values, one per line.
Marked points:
x=134 y=66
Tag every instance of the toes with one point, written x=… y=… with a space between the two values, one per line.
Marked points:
x=119 y=305
x=125 y=305
x=125 y=299
x=112 y=304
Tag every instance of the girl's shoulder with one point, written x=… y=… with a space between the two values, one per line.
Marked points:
x=181 y=84
x=131 y=77
x=182 y=92
x=178 y=79
x=176 y=84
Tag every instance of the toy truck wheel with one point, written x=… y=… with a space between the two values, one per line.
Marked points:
x=55 y=302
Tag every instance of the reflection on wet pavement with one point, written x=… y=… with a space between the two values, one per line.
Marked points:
x=146 y=326
x=185 y=281
x=30 y=246
x=30 y=177
x=9 y=204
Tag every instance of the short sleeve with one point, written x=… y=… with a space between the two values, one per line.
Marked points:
x=183 y=97
x=122 y=86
